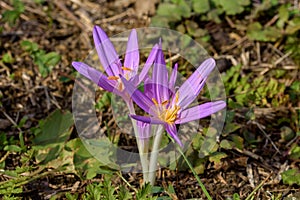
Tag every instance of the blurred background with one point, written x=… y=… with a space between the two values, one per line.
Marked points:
x=256 y=46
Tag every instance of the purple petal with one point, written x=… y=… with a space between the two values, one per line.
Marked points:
x=148 y=63
x=172 y=131
x=132 y=56
x=193 y=85
x=106 y=52
x=146 y=119
x=200 y=111
x=138 y=97
x=94 y=75
x=82 y=68
x=173 y=78
x=160 y=77
x=102 y=81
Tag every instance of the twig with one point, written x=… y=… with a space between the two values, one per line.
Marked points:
x=61 y=6
x=115 y=17
x=267 y=136
x=11 y=120
x=282 y=58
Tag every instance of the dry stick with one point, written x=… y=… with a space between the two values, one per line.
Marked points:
x=11 y=120
x=115 y=17
x=83 y=27
x=266 y=135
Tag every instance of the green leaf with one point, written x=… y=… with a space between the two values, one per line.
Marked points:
x=234 y=7
x=255 y=31
x=201 y=6
x=144 y=193
x=124 y=194
x=283 y=14
x=7 y=58
x=169 y=11
x=51 y=59
x=226 y=144
x=291 y=176
x=12 y=148
x=56 y=128
x=29 y=46
x=238 y=141
x=217 y=156
x=295 y=152
x=293 y=26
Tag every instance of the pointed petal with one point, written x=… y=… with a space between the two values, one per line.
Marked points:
x=146 y=119
x=193 y=85
x=173 y=78
x=106 y=52
x=200 y=111
x=172 y=131
x=94 y=75
x=82 y=68
x=132 y=56
x=102 y=81
x=138 y=97
x=149 y=63
x=160 y=77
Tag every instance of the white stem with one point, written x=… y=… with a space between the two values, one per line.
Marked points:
x=142 y=150
x=154 y=154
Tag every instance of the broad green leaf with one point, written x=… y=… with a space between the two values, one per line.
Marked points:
x=7 y=58
x=225 y=144
x=56 y=128
x=217 y=156
x=201 y=6
x=295 y=152
x=169 y=11
x=291 y=176
x=232 y=7
x=29 y=46
x=51 y=59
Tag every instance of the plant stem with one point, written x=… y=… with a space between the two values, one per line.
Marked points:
x=142 y=150
x=195 y=174
x=154 y=154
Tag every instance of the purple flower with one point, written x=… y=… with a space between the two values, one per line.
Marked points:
x=167 y=106
x=113 y=65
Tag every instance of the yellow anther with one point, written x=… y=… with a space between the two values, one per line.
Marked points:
x=176 y=97
x=126 y=69
x=154 y=101
x=112 y=78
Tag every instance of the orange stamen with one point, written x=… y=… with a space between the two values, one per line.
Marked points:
x=126 y=68
x=112 y=78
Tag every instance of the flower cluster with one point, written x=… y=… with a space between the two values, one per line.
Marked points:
x=163 y=103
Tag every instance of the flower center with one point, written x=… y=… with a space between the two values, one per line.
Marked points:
x=167 y=113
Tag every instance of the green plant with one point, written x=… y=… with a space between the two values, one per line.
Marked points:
x=291 y=176
x=44 y=61
x=11 y=16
